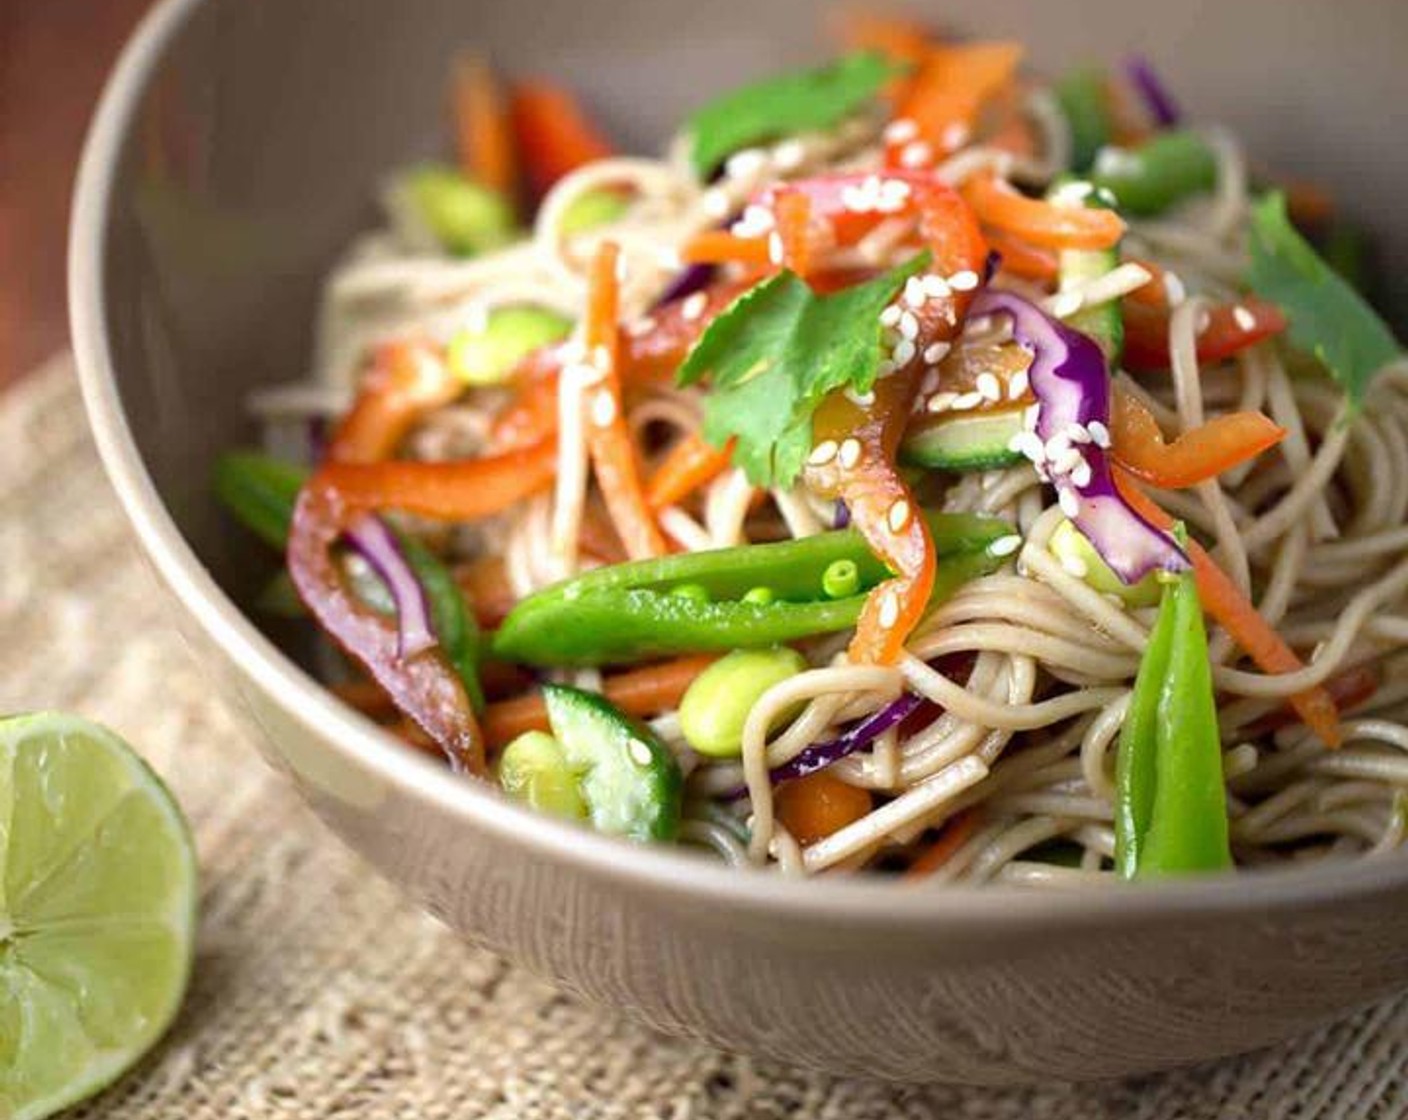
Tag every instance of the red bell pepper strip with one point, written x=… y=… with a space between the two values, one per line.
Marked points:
x=1197 y=455
x=945 y=98
x=1041 y=223
x=555 y=136
x=1231 y=328
x=407 y=379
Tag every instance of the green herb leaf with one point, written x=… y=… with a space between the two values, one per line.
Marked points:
x=766 y=110
x=1328 y=317
x=776 y=353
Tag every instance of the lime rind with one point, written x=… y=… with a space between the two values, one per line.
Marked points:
x=97 y=911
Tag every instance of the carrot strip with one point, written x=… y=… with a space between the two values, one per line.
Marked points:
x=1197 y=455
x=406 y=380
x=689 y=465
x=954 y=84
x=647 y=691
x=554 y=135
x=1022 y=259
x=608 y=437
x=483 y=128
x=956 y=832
x=814 y=807
x=716 y=246
x=793 y=222
x=1040 y=223
x=1238 y=616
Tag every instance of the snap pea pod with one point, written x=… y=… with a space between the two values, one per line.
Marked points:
x=1085 y=105
x=455 y=627
x=628 y=612
x=260 y=492
x=1171 y=802
x=1151 y=178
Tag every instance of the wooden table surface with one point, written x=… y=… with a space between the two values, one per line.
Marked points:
x=54 y=56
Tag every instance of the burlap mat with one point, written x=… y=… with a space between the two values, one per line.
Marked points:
x=319 y=993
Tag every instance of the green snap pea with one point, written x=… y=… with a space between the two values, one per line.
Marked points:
x=260 y=491
x=717 y=702
x=487 y=353
x=1171 y=801
x=464 y=216
x=1085 y=105
x=455 y=626
x=595 y=208
x=1078 y=556
x=841 y=579
x=534 y=769
x=1151 y=178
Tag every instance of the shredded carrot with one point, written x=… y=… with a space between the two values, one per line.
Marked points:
x=407 y=379
x=814 y=807
x=717 y=246
x=793 y=228
x=483 y=129
x=1349 y=689
x=689 y=465
x=486 y=585
x=1224 y=601
x=956 y=832
x=609 y=441
x=1197 y=455
x=1040 y=223
x=1022 y=259
x=554 y=135
x=646 y=691
x=954 y=84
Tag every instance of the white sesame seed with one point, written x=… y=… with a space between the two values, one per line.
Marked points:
x=777 y=252
x=965 y=402
x=1243 y=318
x=1065 y=304
x=914 y=293
x=1099 y=434
x=822 y=453
x=1077 y=433
x=955 y=136
x=916 y=154
x=1204 y=321
x=601 y=357
x=1075 y=566
x=989 y=388
x=641 y=327
x=582 y=373
x=755 y=221
x=860 y=400
x=1058 y=444
x=904 y=352
x=621 y=269
x=935 y=286
x=716 y=203
x=1174 y=289
x=1029 y=445
x=788 y=155
x=964 y=281
x=890 y=316
x=850 y=452
x=889 y=610
x=746 y=164
x=885 y=368
x=901 y=131
x=603 y=409
x=693 y=306
x=1031 y=415
x=1017 y=385
x=1005 y=546
x=941 y=402
x=1081 y=474
x=1065 y=460
x=930 y=382
x=898 y=517
x=640 y=753
x=936 y=352
x=909 y=326
x=855 y=199
x=574 y=351
x=1069 y=501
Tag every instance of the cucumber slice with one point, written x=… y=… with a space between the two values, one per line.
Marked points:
x=629 y=780
x=975 y=442
x=1103 y=322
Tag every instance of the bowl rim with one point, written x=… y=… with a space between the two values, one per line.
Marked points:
x=854 y=901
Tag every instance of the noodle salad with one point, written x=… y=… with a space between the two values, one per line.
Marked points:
x=921 y=468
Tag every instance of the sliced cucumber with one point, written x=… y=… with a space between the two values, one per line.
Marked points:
x=630 y=781
x=1103 y=322
x=978 y=441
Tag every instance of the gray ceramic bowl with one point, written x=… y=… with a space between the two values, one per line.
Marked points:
x=232 y=155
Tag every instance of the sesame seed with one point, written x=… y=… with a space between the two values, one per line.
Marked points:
x=641 y=327
x=914 y=293
x=1099 y=434
x=1005 y=546
x=909 y=326
x=988 y=387
x=885 y=368
x=582 y=373
x=1174 y=289
x=1066 y=304
x=1029 y=445
x=1032 y=415
x=898 y=516
x=1018 y=385
x=965 y=402
x=746 y=164
x=693 y=306
x=850 y=453
x=788 y=155
x=901 y=131
x=574 y=351
x=889 y=610
x=955 y=135
x=904 y=352
x=1064 y=460
x=1075 y=566
x=917 y=153
x=935 y=286
x=755 y=221
x=640 y=753
x=964 y=281
x=601 y=357
x=941 y=402
x=1204 y=322
x=777 y=252
x=1077 y=433
x=621 y=269
x=603 y=409
x=1069 y=501
x=822 y=453
x=1243 y=318
x=1081 y=474
x=936 y=352
x=890 y=316
x=716 y=203
x=930 y=382
x=860 y=400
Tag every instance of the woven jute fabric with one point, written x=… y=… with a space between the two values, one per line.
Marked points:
x=319 y=993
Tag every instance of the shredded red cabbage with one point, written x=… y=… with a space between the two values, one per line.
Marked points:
x=1160 y=103
x=694 y=278
x=860 y=734
x=377 y=544
x=1067 y=434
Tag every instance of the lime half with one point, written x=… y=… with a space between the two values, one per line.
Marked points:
x=97 y=911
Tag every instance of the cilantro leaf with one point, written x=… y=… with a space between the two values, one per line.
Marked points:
x=1327 y=316
x=773 y=356
x=774 y=107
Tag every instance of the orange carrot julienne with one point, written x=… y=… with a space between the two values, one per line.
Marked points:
x=793 y=221
x=646 y=691
x=689 y=465
x=1197 y=455
x=947 y=94
x=1040 y=223
x=956 y=832
x=613 y=453
x=483 y=129
x=1224 y=601
x=716 y=246
x=407 y=379
x=814 y=807
x=899 y=40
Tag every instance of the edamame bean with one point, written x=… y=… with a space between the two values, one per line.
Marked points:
x=1078 y=556
x=840 y=580
x=717 y=703
x=594 y=208
x=464 y=217
x=487 y=354
x=534 y=769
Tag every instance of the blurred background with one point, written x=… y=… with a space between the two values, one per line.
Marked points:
x=54 y=55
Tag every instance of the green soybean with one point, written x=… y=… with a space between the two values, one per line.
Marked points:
x=486 y=354
x=534 y=769
x=717 y=703
x=841 y=579
x=594 y=208
x=464 y=216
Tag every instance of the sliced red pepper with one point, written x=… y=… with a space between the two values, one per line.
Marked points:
x=946 y=96
x=1197 y=455
x=554 y=135
x=408 y=378
x=1231 y=328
